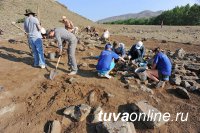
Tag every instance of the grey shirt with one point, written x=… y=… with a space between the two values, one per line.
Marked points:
x=30 y=26
x=62 y=34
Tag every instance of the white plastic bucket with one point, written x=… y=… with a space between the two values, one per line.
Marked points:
x=52 y=56
x=141 y=72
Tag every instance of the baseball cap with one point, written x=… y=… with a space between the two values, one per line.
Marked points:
x=108 y=46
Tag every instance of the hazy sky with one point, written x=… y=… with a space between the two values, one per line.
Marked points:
x=99 y=9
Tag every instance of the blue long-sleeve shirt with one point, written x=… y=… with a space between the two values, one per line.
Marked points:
x=120 y=51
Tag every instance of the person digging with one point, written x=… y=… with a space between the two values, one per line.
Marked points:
x=106 y=61
x=161 y=69
x=63 y=34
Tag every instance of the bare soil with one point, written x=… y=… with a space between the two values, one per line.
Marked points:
x=29 y=99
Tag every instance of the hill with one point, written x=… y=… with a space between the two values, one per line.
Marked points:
x=143 y=14
x=50 y=12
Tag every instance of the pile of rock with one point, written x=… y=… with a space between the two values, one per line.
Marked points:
x=186 y=72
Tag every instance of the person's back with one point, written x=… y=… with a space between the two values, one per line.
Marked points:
x=163 y=63
x=30 y=26
x=64 y=34
x=106 y=34
x=105 y=60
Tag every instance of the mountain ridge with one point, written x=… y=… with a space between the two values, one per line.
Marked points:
x=142 y=14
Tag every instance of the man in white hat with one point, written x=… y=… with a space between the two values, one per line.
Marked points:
x=33 y=30
x=137 y=52
x=68 y=24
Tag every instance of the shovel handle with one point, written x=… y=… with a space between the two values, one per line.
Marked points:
x=18 y=27
x=58 y=62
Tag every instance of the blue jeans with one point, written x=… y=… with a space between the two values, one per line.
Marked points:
x=163 y=77
x=112 y=66
x=38 y=52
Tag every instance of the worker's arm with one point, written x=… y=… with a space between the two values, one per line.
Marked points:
x=154 y=66
x=59 y=41
x=71 y=25
x=130 y=51
x=122 y=59
x=123 y=52
x=155 y=62
x=67 y=24
x=143 y=51
x=37 y=23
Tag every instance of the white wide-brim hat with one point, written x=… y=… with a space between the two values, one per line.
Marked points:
x=139 y=45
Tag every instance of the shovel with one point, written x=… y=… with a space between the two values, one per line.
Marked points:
x=54 y=72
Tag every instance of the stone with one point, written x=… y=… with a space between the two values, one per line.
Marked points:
x=122 y=73
x=185 y=84
x=72 y=80
x=176 y=81
x=146 y=89
x=183 y=92
x=66 y=122
x=180 y=53
x=149 y=119
x=191 y=74
x=86 y=42
x=164 y=41
x=78 y=113
x=91 y=97
x=81 y=48
x=1 y=88
x=189 y=77
x=138 y=81
x=91 y=54
x=192 y=82
x=56 y=127
x=144 y=39
x=193 y=68
x=192 y=88
x=126 y=81
x=198 y=58
x=116 y=127
x=84 y=64
x=96 y=113
x=133 y=88
x=145 y=82
x=110 y=95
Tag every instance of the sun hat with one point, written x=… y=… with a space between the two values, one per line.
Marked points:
x=139 y=45
x=28 y=11
x=42 y=30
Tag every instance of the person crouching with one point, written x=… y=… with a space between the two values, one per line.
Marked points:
x=106 y=61
x=161 y=69
x=137 y=52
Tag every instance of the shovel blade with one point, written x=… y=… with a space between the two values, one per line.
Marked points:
x=53 y=74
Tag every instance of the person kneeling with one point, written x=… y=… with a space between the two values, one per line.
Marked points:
x=106 y=61
x=161 y=69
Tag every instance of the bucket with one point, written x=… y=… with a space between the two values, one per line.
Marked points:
x=141 y=72
x=52 y=56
